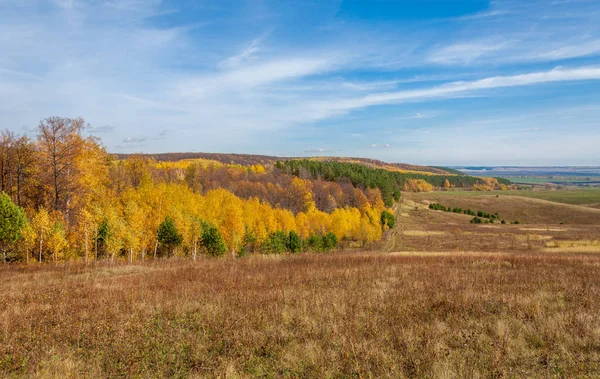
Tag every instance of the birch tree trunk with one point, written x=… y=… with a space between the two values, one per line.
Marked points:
x=86 y=245
x=41 y=245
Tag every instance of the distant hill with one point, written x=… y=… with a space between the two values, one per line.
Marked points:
x=265 y=160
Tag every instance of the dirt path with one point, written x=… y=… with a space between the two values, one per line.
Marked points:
x=393 y=235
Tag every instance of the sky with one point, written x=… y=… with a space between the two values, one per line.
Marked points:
x=446 y=82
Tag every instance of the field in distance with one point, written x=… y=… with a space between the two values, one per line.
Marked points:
x=589 y=197
x=543 y=226
x=540 y=176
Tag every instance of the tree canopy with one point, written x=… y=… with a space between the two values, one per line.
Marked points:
x=12 y=222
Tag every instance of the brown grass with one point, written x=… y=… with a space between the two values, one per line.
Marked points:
x=425 y=230
x=338 y=315
x=510 y=207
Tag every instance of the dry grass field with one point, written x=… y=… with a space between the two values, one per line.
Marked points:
x=396 y=315
x=512 y=207
x=545 y=226
x=440 y=298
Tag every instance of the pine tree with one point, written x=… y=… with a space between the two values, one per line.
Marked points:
x=294 y=242
x=212 y=240
x=168 y=235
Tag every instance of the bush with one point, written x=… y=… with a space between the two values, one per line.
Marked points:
x=330 y=241
x=437 y=207
x=276 y=243
x=323 y=243
x=294 y=242
x=387 y=218
x=314 y=243
x=249 y=242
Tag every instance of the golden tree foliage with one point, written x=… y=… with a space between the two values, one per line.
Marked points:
x=418 y=185
x=489 y=184
x=134 y=216
x=83 y=204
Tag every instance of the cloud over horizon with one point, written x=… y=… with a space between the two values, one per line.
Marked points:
x=257 y=77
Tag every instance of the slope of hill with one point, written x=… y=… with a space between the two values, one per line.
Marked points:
x=513 y=207
x=252 y=159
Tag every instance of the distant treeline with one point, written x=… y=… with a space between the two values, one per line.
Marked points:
x=482 y=214
x=449 y=170
x=389 y=183
x=235 y=159
x=504 y=181
x=481 y=217
x=266 y=160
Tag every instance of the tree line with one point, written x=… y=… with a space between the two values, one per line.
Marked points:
x=65 y=198
x=390 y=183
x=481 y=217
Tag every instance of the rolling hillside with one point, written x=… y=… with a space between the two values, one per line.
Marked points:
x=514 y=207
x=252 y=159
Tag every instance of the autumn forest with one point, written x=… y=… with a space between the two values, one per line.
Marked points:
x=64 y=197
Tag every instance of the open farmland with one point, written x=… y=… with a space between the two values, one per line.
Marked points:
x=511 y=205
x=544 y=226
x=589 y=197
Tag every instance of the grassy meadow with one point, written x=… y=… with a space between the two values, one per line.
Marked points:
x=339 y=315
x=438 y=298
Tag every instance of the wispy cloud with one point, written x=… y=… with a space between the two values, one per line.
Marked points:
x=467 y=52
x=573 y=50
x=484 y=15
x=246 y=55
x=135 y=140
x=101 y=129
x=318 y=150
x=247 y=78
x=416 y=116
x=449 y=90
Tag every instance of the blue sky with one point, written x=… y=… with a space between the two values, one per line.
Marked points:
x=452 y=82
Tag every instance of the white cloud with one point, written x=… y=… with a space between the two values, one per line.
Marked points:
x=247 y=54
x=458 y=88
x=467 y=52
x=416 y=116
x=116 y=66
x=574 y=50
x=134 y=139
x=255 y=75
